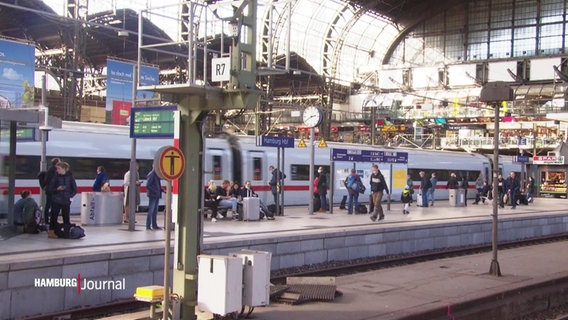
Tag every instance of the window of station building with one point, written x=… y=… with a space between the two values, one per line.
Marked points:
x=257 y=169
x=301 y=172
x=553 y=182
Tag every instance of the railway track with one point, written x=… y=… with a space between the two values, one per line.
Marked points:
x=330 y=269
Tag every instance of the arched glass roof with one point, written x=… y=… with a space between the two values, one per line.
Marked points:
x=347 y=37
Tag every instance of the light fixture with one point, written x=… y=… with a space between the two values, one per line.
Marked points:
x=235 y=27
x=123 y=33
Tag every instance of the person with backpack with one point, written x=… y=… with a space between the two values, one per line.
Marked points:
x=425 y=185
x=406 y=198
x=378 y=186
x=321 y=189
x=45 y=180
x=351 y=182
x=276 y=181
x=27 y=213
x=62 y=188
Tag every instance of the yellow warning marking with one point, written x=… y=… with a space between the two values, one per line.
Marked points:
x=302 y=144
x=322 y=144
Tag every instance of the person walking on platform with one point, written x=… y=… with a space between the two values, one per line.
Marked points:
x=378 y=186
x=406 y=198
x=512 y=188
x=432 y=190
x=50 y=173
x=410 y=185
x=352 y=179
x=322 y=189
x=275 y=182
x=63 y=188
x=154 y=193
x=100 y=179
x=425 y=184
x=501 y=191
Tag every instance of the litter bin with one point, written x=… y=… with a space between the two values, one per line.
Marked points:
x=457 y=197
x=101 y=208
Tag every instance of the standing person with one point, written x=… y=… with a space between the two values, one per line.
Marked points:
x=512 y=187
x=452 y=182
x=530 y=189
x=51 y=172
x=406 y=198
x=352 y=179
x=501 y=190
x=154 y=193
x=126 y=187
x=425 y=184
x=433 y=182
x=275 y=182
x=322 y=189
x=378 y=186
x=63 y=188
x=464 y=185
x=100 y=179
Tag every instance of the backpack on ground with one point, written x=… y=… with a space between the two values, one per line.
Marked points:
x=362 y=209
x=69 y=231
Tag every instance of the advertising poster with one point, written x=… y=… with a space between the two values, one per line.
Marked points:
x=17 y=66
x=119 y=89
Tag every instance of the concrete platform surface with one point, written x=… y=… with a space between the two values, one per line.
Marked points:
x=398 y=292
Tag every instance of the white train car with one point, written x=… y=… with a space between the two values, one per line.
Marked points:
x=85 y=146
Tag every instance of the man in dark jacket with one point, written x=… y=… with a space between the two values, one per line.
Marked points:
x=501 y=190
x=62 y=188
x=51 y=172
x=154 y=193
x=378 y=186
x=425 y=184
x=322 y=189
x=453 y=181
x=275 y=182
x=513 y=187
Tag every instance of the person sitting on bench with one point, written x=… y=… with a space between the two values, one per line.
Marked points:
x=247 y=191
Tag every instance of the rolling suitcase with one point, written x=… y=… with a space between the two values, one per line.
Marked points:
x=251 y=208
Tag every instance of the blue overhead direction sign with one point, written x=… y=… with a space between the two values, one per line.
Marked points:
x=521 y=159
x=357 y=155
x=279 y=142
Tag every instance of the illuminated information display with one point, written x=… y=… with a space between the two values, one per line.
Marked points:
x=152 y=122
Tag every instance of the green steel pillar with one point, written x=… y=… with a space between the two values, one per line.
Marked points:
x=188 y=224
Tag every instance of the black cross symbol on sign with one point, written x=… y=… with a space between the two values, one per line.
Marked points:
x=172 y=158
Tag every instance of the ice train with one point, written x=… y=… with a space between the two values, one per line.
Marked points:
x=85 y=146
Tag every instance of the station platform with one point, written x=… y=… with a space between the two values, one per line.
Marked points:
x=453 y=288
x=294 y=239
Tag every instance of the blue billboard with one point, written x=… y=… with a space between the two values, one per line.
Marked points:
x=119 y=88
x=17 y=67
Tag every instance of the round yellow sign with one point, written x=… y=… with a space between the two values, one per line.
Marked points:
x=170 y=163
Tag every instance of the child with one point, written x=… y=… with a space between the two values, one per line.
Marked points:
x=406 y=198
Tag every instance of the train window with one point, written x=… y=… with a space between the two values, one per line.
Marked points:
x=257 y=169
x=217 y=168
x=301 y=172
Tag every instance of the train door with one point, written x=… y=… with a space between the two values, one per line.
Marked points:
x=487 y=173
x=254 y=170
x=217 y=165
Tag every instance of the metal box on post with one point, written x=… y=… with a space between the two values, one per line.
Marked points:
x=251 y=208
x=456 y=197
x=256 y=276
x=220 y=285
